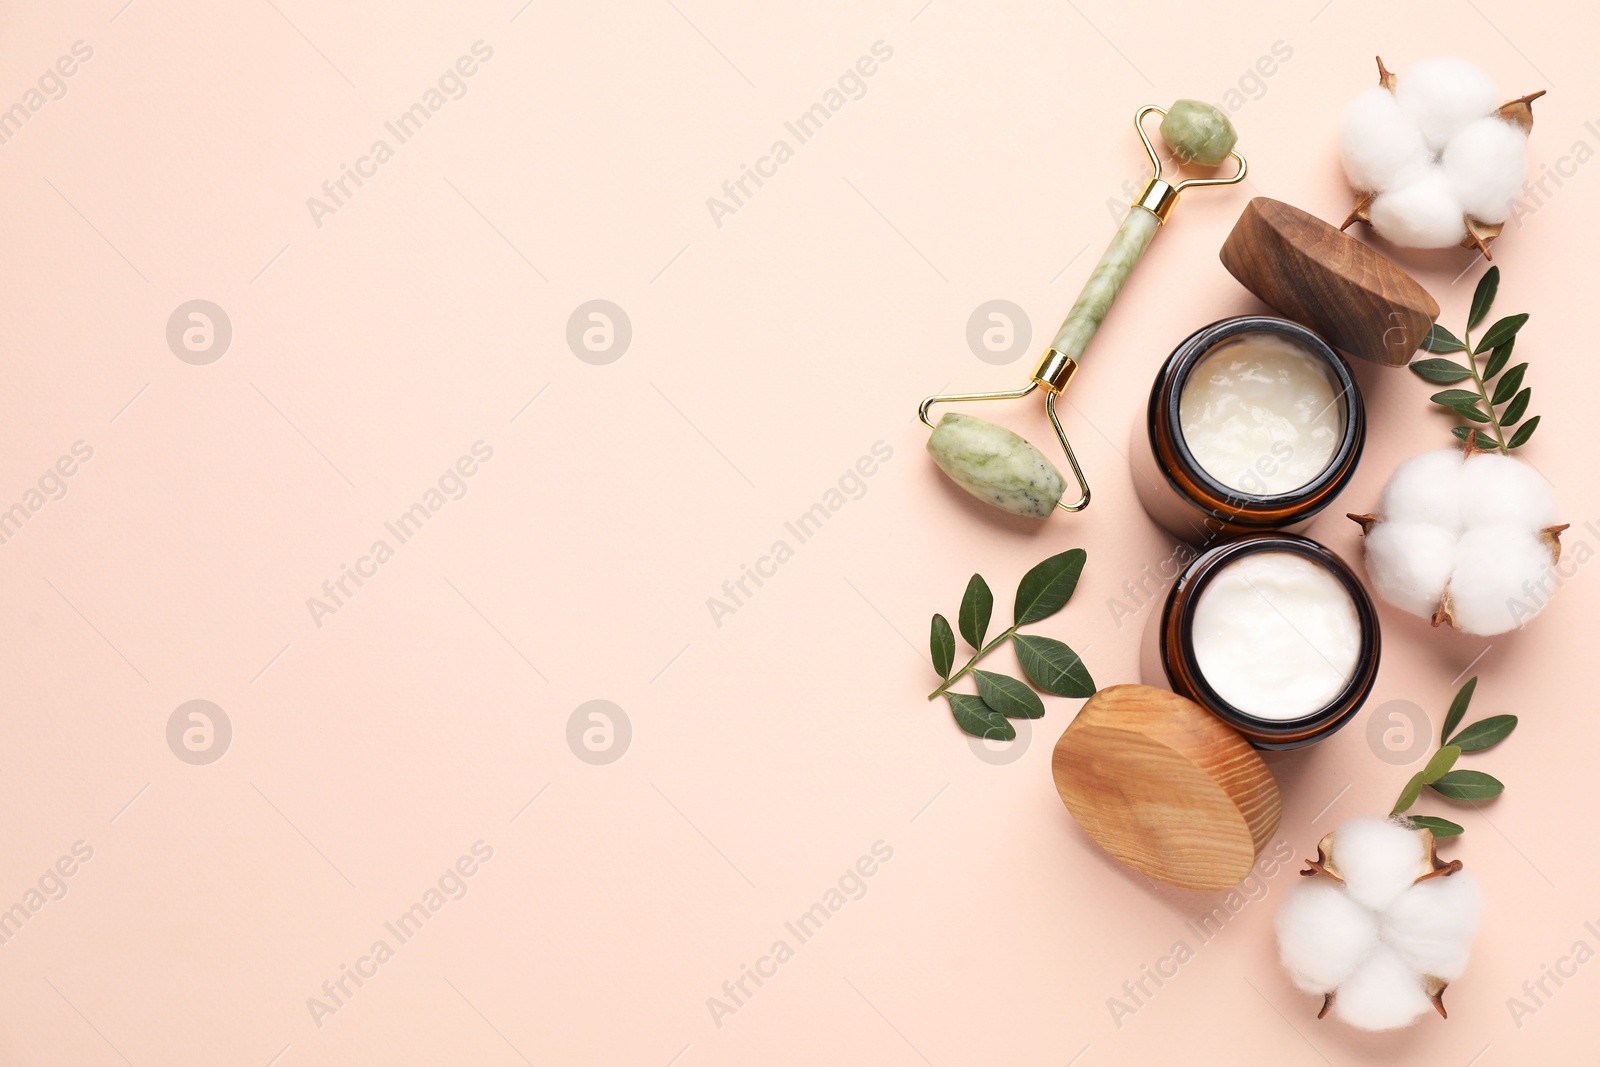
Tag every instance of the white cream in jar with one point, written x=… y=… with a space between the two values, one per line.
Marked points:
x=1276 y=635
x=1261 y=415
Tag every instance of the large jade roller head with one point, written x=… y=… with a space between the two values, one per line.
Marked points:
x=999 y=467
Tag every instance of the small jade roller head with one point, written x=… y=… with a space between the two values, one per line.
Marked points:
x=1198 y=133
x=999 y=467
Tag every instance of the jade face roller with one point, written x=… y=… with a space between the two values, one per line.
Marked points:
x=999 y=467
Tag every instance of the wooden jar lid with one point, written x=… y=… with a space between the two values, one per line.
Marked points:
x=1363 y=304
x=1166 y=787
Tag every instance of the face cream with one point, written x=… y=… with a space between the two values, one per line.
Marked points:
x=1254 y=424
x=1272 y=633
x=1276 y=635
x=1259 y=397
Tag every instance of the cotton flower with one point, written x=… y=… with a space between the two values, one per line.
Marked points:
x=1438 y=161
x=1465 y=541
x=1485 y=165
x=1442 y=96
x=1381 y=927
x=1420 y=210
x=1379 y=142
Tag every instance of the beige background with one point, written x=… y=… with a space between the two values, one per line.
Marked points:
x=768 y=354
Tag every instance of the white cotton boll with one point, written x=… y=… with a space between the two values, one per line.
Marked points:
x=1488 y=164
x=1477 y=521
x=1378 y=860
x=1420 y=211
x=1496 y=488
x=1378 y=141
x=1442 y=95
x=1432 y=925
x=1495 y=584
x=1384 y=994
x=1426 y=488
x=1410 y=563
x=1323 y=935
x=1375 y=927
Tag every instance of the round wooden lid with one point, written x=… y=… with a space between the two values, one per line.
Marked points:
x=1358 y=300
x=1166 y=787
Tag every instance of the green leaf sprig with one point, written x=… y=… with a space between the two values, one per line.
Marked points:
x=1499 y=408
x=1439 y=774
x=1048 y=663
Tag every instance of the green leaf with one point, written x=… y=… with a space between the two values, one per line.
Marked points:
x=1440 y=339
x=1008 y=696
x=1443 y=371
x=1052 y=666
x=978 y=719
x=1483 y=297
x=942 y=643
x=1484 y=442
x=1516 y=409
x=1046 y=589
x=1463 y=402
x=976 y=607
x=1485 y=733
x=1469 y=785
x=1498 y=359
x=1501 y=332
x=1508 y=385
x=1458 y=708
x=1524 y=432
x=1441 y=762
x=1408 y=795
x=1440 y=827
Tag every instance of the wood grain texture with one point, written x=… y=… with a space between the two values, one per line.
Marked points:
x=1166 y=787
x=1360 y=302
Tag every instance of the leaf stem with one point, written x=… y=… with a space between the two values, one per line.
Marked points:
x=1483 y=391
x=1005 y=635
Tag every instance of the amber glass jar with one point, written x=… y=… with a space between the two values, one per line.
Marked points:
x=1193 y=503
x=1272 y=633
